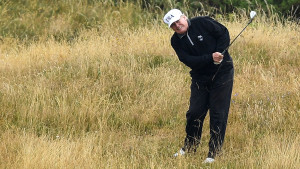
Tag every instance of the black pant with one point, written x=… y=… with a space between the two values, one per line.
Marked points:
x=211 y=96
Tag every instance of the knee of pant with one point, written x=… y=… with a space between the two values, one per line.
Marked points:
x=193 y=115
x=219 y=114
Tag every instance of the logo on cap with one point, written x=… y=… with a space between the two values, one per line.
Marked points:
x=169 y=18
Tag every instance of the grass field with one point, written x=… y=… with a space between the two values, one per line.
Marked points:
x=116 y=97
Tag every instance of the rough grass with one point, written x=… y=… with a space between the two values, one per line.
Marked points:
x=117 y=97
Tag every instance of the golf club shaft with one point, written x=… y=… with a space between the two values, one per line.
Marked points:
x=237 y=37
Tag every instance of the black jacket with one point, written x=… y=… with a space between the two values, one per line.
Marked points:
x=204 y=37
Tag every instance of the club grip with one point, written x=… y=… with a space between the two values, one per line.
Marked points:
x=217 y=63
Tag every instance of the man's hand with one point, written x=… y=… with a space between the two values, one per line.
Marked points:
x=217 y=57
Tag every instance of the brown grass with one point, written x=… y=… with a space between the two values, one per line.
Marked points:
x=116 y=98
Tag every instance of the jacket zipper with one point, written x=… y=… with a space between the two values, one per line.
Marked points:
x=187 y=33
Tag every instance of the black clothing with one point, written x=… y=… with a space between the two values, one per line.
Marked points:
x=217 y=100
x=204 y=37
x=211 y=86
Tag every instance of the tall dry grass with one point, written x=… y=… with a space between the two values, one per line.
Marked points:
x=116 y=98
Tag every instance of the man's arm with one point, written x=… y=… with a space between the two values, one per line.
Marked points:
x=192 y=61
x=218 y=31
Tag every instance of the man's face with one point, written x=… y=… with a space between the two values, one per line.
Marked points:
x=180 y=26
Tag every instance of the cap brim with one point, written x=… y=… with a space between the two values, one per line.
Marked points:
x=174 y=19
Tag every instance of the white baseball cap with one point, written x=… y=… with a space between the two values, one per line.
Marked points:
x=172 y=16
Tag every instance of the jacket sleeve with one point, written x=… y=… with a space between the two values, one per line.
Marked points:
x=189 y=60
x=219 y=32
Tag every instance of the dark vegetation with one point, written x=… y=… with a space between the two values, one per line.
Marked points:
x=63 y=19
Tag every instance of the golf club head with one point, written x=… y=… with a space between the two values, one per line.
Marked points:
x=252 y=14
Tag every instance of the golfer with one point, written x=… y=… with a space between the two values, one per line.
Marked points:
x=198 y=43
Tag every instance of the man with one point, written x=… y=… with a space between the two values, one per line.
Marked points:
x=198 y=43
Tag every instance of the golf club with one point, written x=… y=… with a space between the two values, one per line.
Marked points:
x=252 y=15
